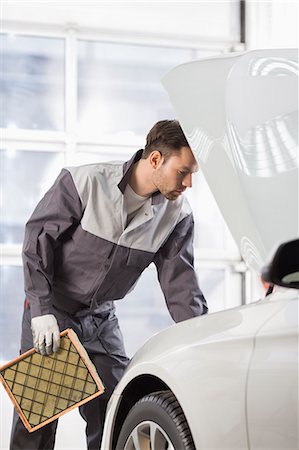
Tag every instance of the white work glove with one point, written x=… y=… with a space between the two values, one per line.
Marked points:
x=45 y=332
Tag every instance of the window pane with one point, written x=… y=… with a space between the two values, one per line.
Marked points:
x=143 y=312
x=212 y=283
x=11 y=309
x=26 y=176
x=120 y=95
x=32 y=82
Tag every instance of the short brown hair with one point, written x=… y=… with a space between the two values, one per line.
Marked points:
x=167 y=137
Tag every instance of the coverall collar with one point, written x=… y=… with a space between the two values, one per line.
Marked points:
x=157 y=197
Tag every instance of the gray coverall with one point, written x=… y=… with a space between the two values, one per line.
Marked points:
x=79 y=256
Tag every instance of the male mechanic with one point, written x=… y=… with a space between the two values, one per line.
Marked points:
x=87 y=243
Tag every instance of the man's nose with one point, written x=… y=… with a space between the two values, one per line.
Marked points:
x=187 y=181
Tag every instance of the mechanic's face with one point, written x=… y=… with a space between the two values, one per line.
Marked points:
x=173 y=176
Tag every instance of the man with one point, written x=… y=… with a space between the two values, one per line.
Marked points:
x=86 y=244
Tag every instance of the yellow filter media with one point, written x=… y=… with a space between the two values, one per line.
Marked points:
x=42 y=388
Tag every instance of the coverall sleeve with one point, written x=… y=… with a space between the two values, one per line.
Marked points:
x=176 y=274
x=58 y=211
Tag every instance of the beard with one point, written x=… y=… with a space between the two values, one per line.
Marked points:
x=169 y=192
x=171 y=195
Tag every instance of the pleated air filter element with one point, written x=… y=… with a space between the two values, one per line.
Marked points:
x=42 y=388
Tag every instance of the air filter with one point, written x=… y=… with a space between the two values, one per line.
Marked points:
x=42 y=388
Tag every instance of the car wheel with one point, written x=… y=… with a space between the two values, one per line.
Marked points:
x=156 y=422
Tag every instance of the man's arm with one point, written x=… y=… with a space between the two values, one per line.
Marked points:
x=178 y=280
x=59 y=210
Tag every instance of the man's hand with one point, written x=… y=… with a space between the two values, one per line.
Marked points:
x=45 y=332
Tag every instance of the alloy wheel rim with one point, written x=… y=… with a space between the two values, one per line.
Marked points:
x=148 y=435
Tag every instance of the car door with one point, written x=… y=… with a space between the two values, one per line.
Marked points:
x=272 y=388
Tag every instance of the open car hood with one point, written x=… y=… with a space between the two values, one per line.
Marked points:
x=239 y=113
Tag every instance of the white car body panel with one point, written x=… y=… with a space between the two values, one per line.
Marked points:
x=272 y=389
x=206 y=362
x=235 y=372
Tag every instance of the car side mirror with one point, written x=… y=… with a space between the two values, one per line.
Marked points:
x=283 y=270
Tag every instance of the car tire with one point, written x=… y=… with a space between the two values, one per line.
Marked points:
x=155 y=422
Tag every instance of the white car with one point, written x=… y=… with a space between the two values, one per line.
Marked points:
x=229 y=380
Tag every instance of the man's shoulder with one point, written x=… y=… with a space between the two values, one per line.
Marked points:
x=95 y=168
x=98 y=173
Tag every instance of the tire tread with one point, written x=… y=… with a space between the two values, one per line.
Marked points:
x=167 y=401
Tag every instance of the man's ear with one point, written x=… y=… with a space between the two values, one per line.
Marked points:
x=156 y=159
